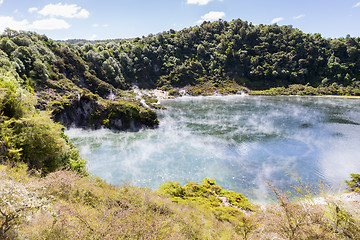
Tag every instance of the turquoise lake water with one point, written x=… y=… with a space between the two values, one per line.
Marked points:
x=240 y=141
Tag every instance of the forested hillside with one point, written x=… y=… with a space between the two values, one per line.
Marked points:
x=258 y=57
x=89 y=83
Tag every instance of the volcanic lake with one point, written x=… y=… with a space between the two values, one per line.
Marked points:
x=240 y=141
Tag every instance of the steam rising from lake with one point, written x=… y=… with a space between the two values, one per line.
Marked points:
x=240 y=141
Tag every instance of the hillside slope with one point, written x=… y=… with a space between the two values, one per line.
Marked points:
x=65 y=205
x=215 y=56
x=65 y=86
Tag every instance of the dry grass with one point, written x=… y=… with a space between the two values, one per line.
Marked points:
x=65 y=205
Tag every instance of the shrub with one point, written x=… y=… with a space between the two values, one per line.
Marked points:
x=173 y=92
x=15 y=101
x=20 y=198
x=354 y=183
x=172 y=189
x=305 y=217
x=225 y=205
x=41 y=143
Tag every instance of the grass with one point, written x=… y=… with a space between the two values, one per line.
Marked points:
x=66 y=205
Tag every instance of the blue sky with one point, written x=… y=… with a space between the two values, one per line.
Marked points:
x=109 y=19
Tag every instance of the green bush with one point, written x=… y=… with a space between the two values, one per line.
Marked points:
x=173 y=92
x=30 y=136
x=173 y=189
x=40 y=142
x=15 y=101
x=354 y=183
x=211 y=197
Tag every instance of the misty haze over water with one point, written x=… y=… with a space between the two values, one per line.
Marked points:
x=240 y=141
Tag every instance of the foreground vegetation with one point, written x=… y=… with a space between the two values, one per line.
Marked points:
x=66 y=205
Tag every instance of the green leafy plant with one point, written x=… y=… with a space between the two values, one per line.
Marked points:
x=354 y=183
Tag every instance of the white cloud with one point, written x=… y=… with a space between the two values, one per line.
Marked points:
x=10 y=22
x=33 y=9
x=44 y=24
x=1 y=2
x=356 y=5
x=49 y=24
x=64 y=10
x=299 y=16
x=95 y=25
x=276 y=20
x=198 y=2
x=83 y=14
x=210 y=16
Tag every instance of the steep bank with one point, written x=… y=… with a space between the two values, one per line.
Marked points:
x=91 y=111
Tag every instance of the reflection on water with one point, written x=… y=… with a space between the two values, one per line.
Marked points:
x=240 y=141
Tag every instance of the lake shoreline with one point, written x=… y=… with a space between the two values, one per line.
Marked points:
x=164 y=95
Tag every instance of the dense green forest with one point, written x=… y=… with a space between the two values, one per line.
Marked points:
x=257 y=57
